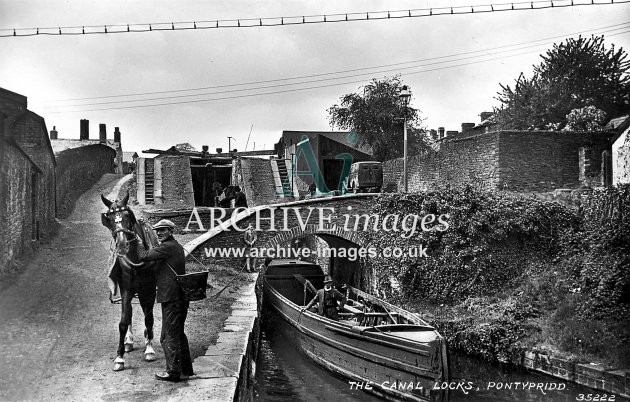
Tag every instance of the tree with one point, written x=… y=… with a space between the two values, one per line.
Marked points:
x=588 y=118
x=376 y=115
x=573 y=75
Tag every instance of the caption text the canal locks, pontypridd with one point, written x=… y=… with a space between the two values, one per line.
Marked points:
x=465 y=387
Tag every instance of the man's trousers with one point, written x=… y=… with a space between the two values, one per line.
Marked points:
x=173 y=340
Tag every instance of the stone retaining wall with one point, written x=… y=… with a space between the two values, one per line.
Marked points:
x=506 y=160
x=590 y=375
x=77 y=170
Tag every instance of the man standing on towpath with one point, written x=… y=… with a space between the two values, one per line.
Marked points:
x=169 y=255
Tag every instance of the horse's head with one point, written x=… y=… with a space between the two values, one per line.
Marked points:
x=120 y=220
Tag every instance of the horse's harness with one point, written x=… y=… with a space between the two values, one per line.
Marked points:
x=118 y=211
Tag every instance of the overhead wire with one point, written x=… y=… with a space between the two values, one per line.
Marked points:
x=300 y=20
x=272 y=92
x=599 y=30
x=619 y=27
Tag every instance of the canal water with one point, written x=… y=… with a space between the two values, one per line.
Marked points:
x=285 y=374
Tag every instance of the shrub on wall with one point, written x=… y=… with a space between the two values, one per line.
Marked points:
x=514 y=272
x=483 y=249
x=598 y=255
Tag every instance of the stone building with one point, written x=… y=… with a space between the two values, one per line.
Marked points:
x=330 y=150
x=82 y=161
x=27 y=178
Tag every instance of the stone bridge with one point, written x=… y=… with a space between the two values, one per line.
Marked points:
x=337 y=225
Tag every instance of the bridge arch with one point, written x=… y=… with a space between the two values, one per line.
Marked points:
x=291 y=221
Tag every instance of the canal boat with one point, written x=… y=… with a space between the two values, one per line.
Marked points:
x=376 y=346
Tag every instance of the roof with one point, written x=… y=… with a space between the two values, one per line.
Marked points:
x=62 y=144
x=44 y=131
x=619 y=125
x=614 y=124
x=348 y=138
x=18 y=99
x=129 y=156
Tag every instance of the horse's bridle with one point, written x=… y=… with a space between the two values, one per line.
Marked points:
x=118 y=220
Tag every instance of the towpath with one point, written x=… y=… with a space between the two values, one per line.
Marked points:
x=59 y=332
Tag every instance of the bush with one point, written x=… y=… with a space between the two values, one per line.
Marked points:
x=519 y=270
x=488 y=246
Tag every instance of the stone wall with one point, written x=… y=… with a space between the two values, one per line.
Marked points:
x=27 y=181
x=546 y=160
x=30 y=134
x=176 y=181
x=77 y=170
x=591 y=375
x=255 y=177
x=506 y=160
x=459 y=161
x=15 y=205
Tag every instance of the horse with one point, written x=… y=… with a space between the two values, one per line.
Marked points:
x=127 y=231
x=226 y=196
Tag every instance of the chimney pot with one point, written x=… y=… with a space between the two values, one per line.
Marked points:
x=440 y=132
x=485 y=115
x=467 y=127
x=116 y=135
x=102 y=133
x=84 y=134
x=53 y=133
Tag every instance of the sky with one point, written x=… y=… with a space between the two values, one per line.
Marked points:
x=251 y=83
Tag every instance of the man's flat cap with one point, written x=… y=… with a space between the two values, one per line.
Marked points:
x=164 y=223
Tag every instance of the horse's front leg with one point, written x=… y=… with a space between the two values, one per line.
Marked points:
x=129 y=339
x=123 y=326
x=146 y=294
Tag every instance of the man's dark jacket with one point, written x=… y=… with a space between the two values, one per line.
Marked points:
x=169 y=252
x=320 y=297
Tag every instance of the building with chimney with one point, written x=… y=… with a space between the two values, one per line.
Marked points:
x=27 y=179
x=82 y=161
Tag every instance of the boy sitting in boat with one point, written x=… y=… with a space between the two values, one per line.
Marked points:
x=329 y=300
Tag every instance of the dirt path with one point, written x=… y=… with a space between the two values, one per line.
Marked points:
x=58 y=330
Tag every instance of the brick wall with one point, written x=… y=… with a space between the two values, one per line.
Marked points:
x=77 y=170
x=518 y=161
x=176 y=181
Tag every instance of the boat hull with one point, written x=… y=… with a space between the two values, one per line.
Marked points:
x=395 y=365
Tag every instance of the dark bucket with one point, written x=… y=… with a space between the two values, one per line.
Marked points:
x=193 y=285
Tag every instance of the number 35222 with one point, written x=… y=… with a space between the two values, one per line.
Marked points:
x=595 y=397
